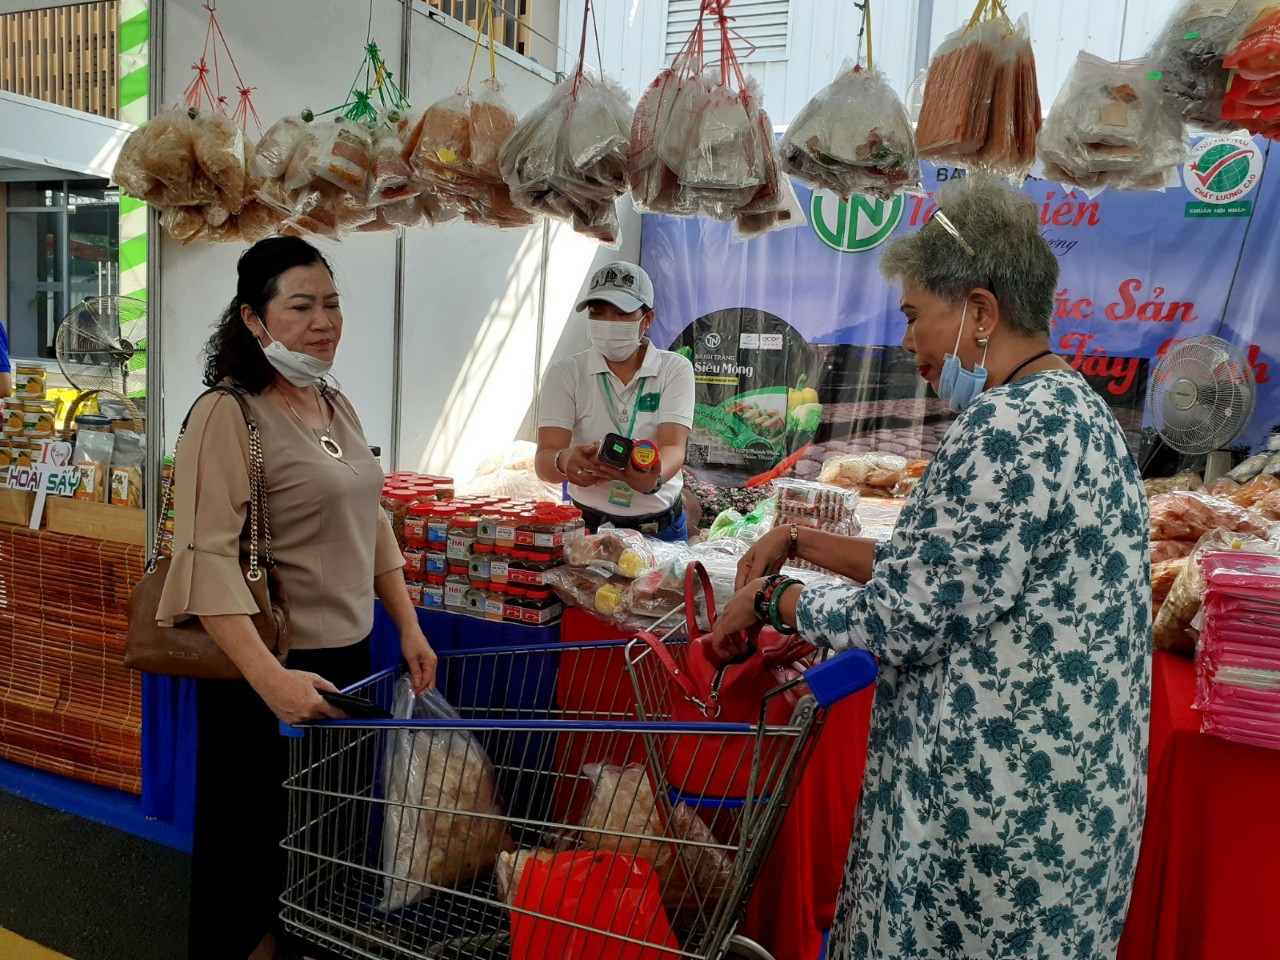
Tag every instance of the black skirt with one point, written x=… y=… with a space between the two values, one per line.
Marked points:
x=237 y=864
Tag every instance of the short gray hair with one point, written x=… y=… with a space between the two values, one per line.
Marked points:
x=1009 y=256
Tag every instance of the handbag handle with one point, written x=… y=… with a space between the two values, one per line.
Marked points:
x=257 y=488
x=778 y=650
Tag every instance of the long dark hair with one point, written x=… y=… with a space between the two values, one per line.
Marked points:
x=233 y=351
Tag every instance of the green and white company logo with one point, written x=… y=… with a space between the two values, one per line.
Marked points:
x=854 y=225
x=1222 y=171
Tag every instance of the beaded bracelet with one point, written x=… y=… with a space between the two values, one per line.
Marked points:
x=775 y=613
x=764 y=596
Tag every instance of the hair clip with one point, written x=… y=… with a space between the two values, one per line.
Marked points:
x=950 y=227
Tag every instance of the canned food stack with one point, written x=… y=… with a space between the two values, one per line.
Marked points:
x=819 y=506
x=479 y=556
x=1238 y=655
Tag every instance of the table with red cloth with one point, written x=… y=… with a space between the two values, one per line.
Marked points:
x=794 y=899
x=1209 y=867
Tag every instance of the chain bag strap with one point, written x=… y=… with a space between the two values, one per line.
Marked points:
x=186 y=649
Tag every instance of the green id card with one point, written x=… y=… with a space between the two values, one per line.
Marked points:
x=648 y=402
x=621 y=495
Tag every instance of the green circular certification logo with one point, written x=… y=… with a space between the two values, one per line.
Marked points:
x=1223 y=169
x=854 y=225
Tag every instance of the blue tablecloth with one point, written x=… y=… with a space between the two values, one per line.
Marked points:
x=169 y=704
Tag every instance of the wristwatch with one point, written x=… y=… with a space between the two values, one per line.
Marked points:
x=661 y=481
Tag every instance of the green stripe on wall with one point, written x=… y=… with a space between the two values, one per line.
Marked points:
x=135 y=31
x=128 y=204
x=133 y=253
x=134 y=86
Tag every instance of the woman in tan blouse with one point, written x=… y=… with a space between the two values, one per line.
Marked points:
x=334 y=549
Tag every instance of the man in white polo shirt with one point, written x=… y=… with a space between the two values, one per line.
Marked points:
x=624 y=385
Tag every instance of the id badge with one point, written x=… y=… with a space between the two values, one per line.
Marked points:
x=621 y=495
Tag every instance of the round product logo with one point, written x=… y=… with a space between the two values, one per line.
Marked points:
x=1223 y=169
x=712 y=341
x=856 y=224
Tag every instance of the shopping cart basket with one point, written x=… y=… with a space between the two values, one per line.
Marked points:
x=575 y=732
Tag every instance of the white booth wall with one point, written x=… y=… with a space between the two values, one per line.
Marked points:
x=484 y=310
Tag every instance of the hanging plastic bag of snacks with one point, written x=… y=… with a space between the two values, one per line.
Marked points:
x=853 y=137
x=1110 y=127
x=568 y=158
x=1189 y=52
x=981 y=104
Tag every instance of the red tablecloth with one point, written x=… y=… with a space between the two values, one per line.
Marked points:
x=794 y=899
x=1209 y=870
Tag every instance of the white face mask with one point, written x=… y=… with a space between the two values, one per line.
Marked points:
x=616 y=339
x=300 y=369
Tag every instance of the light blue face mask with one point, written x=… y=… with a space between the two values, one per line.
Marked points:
x=958 y=386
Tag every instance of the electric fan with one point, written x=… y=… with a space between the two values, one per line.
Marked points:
x=102 y=345
x=1201 y=396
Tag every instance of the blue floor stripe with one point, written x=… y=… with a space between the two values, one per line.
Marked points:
x=111 y=808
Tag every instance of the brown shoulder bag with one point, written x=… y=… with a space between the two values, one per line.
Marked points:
x=186 y=649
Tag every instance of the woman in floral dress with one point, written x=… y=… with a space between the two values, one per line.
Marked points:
x=1005 y=788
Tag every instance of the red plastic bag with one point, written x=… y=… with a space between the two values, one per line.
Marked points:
x=1257 y=55
x=608 y=894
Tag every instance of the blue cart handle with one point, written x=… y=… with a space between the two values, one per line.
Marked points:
x=839 y=676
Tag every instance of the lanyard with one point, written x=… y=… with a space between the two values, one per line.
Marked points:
x=635 y=409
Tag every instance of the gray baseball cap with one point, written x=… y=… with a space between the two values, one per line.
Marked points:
x=625 y=285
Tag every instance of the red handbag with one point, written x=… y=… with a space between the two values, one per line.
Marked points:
x=720 y=765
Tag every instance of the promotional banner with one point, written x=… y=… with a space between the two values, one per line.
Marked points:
x=796 y=337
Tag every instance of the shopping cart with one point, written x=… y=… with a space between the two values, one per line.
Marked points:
x=575 y=732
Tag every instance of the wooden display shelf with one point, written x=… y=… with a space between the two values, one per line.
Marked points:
x=101 y=520
x=15 y=506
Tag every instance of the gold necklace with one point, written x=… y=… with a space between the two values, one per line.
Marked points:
x=327 y=443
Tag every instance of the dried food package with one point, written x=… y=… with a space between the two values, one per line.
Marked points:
x=1187 y=480
x=623 y=552
x=442 y=143
x=1110 y=126
x=1269 y=506
x=1188 y=516
x=622 y=802
x=271 y=156
x=314 y=212
x=1163 y=575
x=435 y=782
x=1189 y=52
x=93 y=465
x=304 y=162
x=127 y=457
x=219 y=150
x=1014 y=124
x=169 y=155
x=1163 y=551
x=389 y=179
x=345 y=157
x=183 y=223
x=1173 y=625
x=654 y=185
x=866 y=472
x=956 y=109
x=257 y=221
x=853 y=137
x=129 y=173
x=774 y=206
x=1256 y=55
x=492 y=121
x=568 y=158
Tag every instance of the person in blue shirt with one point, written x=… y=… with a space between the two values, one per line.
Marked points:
x=6 y=369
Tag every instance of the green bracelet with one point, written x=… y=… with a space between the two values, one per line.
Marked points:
x=774 y=613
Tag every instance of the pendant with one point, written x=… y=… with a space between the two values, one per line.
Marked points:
x=330 y=446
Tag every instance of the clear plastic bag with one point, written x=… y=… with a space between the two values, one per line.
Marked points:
x=956 y=109
x=168 y=156
x=568 y=158
x=1172 y=630
x=509 y=870
x=130 y=173
x=623 y=552
x=1187 y=480
x=389 y=174
x=220 y=150
x=1110 y=126
x=345 y=157
x=1165 y=550
x=432 y=780
x=1189 y=52
x=853 y=137
x=1188 y=516
x=874 y=474
x=270 y=157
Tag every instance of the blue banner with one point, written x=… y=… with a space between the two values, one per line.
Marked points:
x=802 y=318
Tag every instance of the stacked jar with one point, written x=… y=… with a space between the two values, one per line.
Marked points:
x=415 y=549
x=396 y=501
